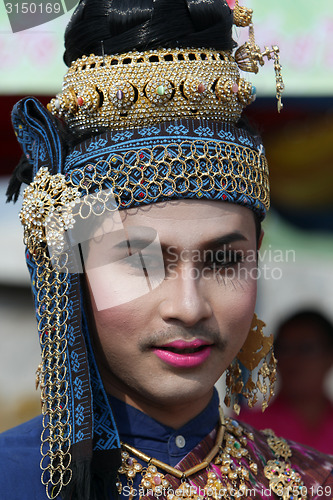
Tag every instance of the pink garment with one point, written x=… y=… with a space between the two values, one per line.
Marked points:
x=285 y=422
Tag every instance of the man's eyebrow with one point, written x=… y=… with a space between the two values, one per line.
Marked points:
x=220 y=241
x=224 y=240
x=138 y=243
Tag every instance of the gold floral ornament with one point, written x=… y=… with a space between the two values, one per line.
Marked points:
x=284 y=481
x=47 y=210
x=154 y=481
x=130 y=467
x=258 y=349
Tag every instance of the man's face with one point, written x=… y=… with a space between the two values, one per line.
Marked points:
x=168 y=346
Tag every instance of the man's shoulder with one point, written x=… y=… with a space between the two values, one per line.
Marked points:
x=19 y=462
x=23 y=437
x=314 y=467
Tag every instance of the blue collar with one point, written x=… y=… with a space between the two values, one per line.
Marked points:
x=158 y=440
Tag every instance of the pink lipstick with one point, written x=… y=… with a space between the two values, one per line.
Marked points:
x=184 y=354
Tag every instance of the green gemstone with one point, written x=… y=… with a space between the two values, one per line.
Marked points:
x=161 y=90
x=237 y=445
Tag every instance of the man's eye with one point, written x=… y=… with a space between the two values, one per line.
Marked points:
x=148 y=262
x=152 y=262
x=224 y=260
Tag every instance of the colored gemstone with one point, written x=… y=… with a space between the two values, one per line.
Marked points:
x=237 y=445
x=157 y=480
x=80 y=101
x=141 y=195
x=253 y=90
x=224 y=197
x=201 y=88
x=234 y=88
x=161 y=90
x=120 y=95
x=129 y=461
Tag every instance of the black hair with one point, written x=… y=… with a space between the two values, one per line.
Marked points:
x=116 y=26
x=309 y=316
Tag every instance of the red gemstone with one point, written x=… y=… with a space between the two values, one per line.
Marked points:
x=141 y=195
x=201 y=88
x=80 y=101
x=141 y=182
x=141 y=155
x=224 y=196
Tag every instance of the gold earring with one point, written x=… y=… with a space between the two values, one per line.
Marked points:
x=257 y=352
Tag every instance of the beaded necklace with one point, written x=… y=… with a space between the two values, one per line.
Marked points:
x=230 y=470
x=222 y=478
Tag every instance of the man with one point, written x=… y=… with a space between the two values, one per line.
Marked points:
x=142 y=223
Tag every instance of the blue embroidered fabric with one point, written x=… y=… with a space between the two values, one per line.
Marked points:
x=205 y=160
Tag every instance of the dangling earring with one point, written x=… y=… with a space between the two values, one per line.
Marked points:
x=256 y=349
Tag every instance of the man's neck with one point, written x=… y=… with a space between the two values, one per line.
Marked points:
x=173 y=415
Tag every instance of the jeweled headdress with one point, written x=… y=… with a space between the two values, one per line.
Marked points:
x=129 y=128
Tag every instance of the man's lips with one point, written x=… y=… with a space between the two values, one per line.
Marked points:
x=184 y=354
x=182 y=345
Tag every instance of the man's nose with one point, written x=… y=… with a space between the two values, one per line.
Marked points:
x=184 y=297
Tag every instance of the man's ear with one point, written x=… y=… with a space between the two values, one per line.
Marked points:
x=260 y=239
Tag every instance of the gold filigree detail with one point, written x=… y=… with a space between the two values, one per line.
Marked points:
x=230 y=456
x=242 y=15
x=154 y=481
x=258 y=349
x=249 y=57
x=256 y=346
x=284 y=481
x=47 y=208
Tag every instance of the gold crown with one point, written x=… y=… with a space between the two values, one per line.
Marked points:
x=141 y=88
x=144 y=88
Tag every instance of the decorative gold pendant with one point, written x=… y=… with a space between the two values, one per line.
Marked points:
x=129 y=466
x=154 y=481
x=284 y=481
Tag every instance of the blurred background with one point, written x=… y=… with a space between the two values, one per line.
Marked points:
x=296 y=260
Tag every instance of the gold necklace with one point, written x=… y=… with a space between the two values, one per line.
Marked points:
x=157 y=484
